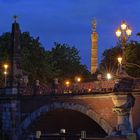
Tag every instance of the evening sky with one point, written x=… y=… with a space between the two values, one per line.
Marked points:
x=69 y=21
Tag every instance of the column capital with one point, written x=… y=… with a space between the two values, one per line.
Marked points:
x=122 y=111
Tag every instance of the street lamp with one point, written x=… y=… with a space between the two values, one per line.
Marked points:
x=5 y=78
x=5 y=66
x=120 y=60
x=78 y=79
x=119 y=65
x=5 y=73
x=124 y=83
x=127 y=63
x=67 y=83
x=123 y=33
x=76 y=85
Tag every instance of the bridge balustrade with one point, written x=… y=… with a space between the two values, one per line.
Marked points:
x=102 y=86
x=79 y=88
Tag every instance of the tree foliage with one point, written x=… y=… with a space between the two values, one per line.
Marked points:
x=61 y=62
x=65 y=61
x=132 y=54
x=5 y=43
x=133 y=57
x=33 y=58
x=109 y=61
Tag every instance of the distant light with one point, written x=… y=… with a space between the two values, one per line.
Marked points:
x=89 y=90
x=109 y=76
x=62 y=131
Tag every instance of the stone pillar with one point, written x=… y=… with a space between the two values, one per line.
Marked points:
x=55 y=85
x=124 y=125
x=11 y=118
x=15 y=74
x=123 y=109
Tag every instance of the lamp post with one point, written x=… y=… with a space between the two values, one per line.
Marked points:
x=123 y=103
x=5 y=73
x=5 y=66
x=123 y=33
x=76 y=86
x=127 y=64
x=5 y=78
x=67 y=83
x=78 y=79
x=120 y=60
x=119 y=65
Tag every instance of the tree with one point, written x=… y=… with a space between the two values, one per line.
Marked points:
x=109 y=62
x=132 y=55
x=5 y=44
x=65 y=61
x=61 y=62
x=133 y=58
x=34 y=58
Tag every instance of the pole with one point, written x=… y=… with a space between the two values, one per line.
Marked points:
x=123 y=50
x=5 y=80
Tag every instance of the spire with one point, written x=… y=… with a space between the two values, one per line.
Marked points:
x=15 y=54
x=94 y=23
x=16 y=34
x=15 y=18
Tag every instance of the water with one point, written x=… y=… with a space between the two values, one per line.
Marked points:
x=60 y=138
x=56 y=137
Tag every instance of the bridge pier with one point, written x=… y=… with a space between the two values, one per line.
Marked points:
x=124 y=124
x=123 y=104
x=11 y=118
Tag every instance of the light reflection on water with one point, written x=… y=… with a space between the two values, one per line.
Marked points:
x=63 y=137
x=52 y=137
x=57 y=138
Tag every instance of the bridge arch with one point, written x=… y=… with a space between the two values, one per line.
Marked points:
x=66 y=105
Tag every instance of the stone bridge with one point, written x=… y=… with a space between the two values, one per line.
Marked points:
x=20 y=112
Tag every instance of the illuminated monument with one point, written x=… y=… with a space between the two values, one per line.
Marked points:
x=94 y=49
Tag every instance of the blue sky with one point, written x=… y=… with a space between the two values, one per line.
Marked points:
x=69 y=21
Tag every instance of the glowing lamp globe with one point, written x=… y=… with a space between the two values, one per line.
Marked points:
x=123 y=25
x=118 y=32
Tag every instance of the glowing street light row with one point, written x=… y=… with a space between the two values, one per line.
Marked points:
x=77 y=80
